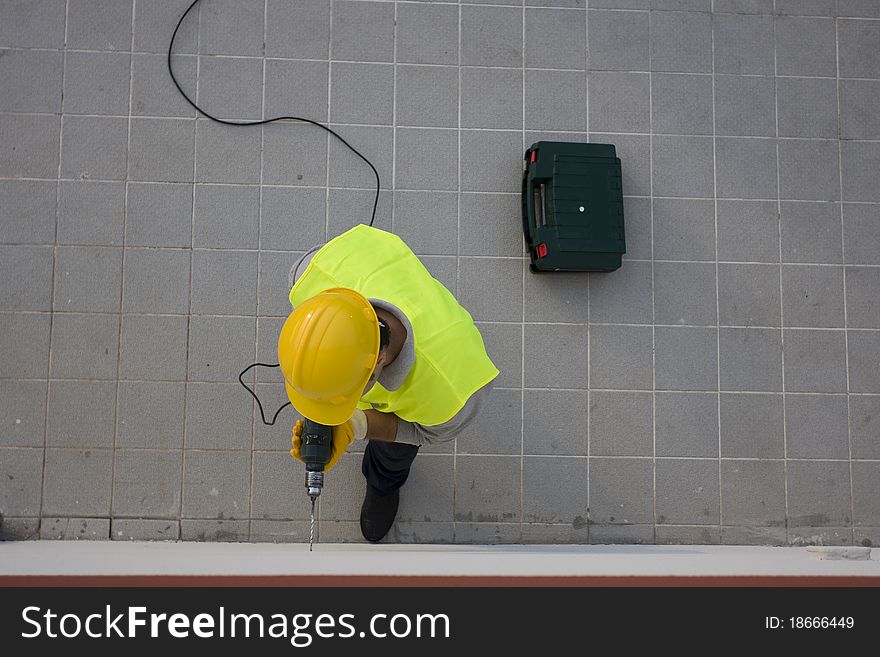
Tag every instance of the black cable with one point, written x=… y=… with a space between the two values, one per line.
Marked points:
x=265 y=121
x=253 y=123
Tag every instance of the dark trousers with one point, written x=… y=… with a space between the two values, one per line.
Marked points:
x=386 y=465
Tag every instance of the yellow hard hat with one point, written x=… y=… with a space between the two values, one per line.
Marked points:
x=327 y=349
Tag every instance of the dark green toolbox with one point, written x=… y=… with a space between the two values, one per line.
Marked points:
x=572 y=201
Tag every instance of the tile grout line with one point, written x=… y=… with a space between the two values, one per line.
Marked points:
x=781 y=304
x=457 y=252
x=589 y=276
x=327 y=135
x=52 y=290
x=653 y=295
x=852 y=501
x=717 y=294
x=522 y=397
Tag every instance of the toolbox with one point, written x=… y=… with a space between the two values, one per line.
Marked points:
x=572 y=207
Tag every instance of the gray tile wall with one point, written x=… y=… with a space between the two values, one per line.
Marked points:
x=723 y=386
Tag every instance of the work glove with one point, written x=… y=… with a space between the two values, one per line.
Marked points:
x=343 y=436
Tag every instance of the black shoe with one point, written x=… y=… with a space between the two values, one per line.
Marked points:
x=378 y=513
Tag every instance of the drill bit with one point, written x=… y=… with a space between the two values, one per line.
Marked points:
x=312 y=526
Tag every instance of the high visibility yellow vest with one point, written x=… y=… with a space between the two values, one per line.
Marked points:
x=451 y=362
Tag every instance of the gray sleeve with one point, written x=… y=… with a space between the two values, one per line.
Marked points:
x=412 y=433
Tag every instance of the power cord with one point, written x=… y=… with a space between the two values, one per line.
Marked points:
x=255 y=123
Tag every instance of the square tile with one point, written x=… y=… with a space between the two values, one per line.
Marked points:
x=216 y=484
x=857 y=160
x=682 y=166
x=84 y=346
x=818 y=494
x=487 y=489
x=623 y=296
x=27 y=211
x=864 y=373
x=688 y=492
x=503 y=149
x=857 y=47
x=816 y=427
x=862 y=8
x=298 y=30
x=95 y=147
x=866 y=481
x=81 y=414
x=560 y=298
x=87 y=279
x=36 y=24
x=27 y=278
x=682 y=43
x=555 y=423
x=429 y=95
x=36 y=77
x=153 y=347
x=491 y=36
x=272 y=397
x=215 y=37
x=808 y=170
x=555 y=356
x=638 y=227
x=684 y=293
x=429 y=490
x=682 y=5
x=161 y=150
x=555 y=38
x=743 y=44
x=415 y=171
x=806 y=7
x=541 y=499
x=484 y=221
x=745 y=168
x=745 y=106
x=91 y=213
x=862 y=301
x=362 y=31
x=24 y=344
x=92 y=25
x=748 y=231
x=555 y=100
x=226 y=156
x=97 y=83
x=504 y=346
x=487 y=533
x=159 y=214
x=77 y=482
x=361 y=93
x=621 y=423
x=681 y=104
x=295 y=155
x=34 y=145
x=635 y=152
x=807 y=107
x=864 y=414
x=619 y=101
x=74 y=529
x=687 y=424
x=815 y=361
x=150 y=414
x=621 y=357
x=812 y=296
x=156 y=281
x=858 y=98
x=748 y=295
x=618 y=40
x=347 y=207
x=427 y=34
x=686 y=358
x=220 y=347
x=273 y=291
x=146 y=483
x=622 y=505
x=810 y=232
x=21 y=483
x=493 y=98
x=744 y=6
x=753 y=493
x=751 y=359
x=23 y=412
x=497 y=427
x=215 y=291
x=156 y=20
x=231 y=87
x=792 y=58
x=214 y=530
x=751 y=426
x=292 y=219
x=492 y=288
x=226 y=216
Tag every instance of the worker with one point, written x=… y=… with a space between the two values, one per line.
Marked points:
x=379 y=349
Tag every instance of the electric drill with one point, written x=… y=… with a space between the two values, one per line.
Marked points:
x=315 y=450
